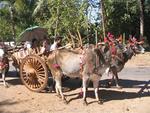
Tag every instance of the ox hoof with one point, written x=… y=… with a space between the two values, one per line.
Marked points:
x=85 y=103
x=65 y=101
x=58 y=96
x=6 y=85
x=100 y=102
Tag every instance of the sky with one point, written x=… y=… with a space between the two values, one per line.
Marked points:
x=93 y=12
x=3 y=4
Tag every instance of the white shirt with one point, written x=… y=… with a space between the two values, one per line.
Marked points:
x=2 y=53
x=27 y=44
x=53 y=46
x=43 y=49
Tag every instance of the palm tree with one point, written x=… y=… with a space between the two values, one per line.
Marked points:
x=38 y=6
x=6 y=4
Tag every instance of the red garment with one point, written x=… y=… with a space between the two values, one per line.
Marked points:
x=131 y=42
x=110 y=36
x=56 y=66
x=3 y=65
x=105 y=39
x=113 y=50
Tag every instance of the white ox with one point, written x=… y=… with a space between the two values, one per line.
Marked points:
x=64 y=61
x=4 y=66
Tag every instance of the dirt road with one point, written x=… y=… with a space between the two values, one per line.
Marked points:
x=133 y=98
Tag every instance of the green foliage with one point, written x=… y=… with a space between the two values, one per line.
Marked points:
x=122 y=16
x=64 y=16
x=5 y=31
x=22 y=17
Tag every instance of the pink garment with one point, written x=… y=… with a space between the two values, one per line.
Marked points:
x=105 y=39
x=56 y=66
x=113 y=50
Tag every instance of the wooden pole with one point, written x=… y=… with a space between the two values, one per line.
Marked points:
x=141 y=2
x=103 y=17
x=96 y=39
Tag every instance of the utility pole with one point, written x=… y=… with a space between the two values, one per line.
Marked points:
x=141 y=3
x=103 y=16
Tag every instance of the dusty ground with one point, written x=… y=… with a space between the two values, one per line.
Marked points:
x=18 y=99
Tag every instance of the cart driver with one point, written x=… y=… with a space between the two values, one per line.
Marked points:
x=45 y=46
x=31 y=45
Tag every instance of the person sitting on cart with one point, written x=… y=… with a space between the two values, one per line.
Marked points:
x=27 y=45
x=57 y=43
x=31 y=44
x=45 y=46
x=34 y=43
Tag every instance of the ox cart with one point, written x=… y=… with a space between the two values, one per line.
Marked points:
x=31 y=64
x=33 y=67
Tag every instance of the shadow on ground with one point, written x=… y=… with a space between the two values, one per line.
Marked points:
x=9 y=103
x=15 y=78
x=72 y=84
x=109 y=94
x=126 y=83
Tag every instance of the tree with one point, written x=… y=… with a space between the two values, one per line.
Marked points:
x=7 y=4
x=20 y=12
x=122 y=17
x=64 y=17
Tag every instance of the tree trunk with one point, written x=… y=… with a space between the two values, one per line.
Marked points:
x=80 y=39
x=141 y=3
x=71 y=36
x=103 y=16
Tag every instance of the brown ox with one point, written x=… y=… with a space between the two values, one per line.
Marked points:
x=123 y=54
x=88 y=65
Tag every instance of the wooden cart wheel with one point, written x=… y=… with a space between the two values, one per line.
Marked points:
x=34 y=73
